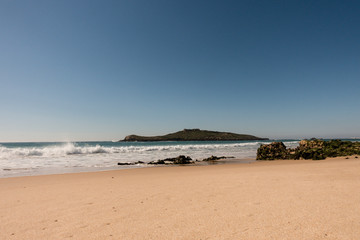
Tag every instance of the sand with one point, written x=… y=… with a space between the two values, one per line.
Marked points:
x=262 y=200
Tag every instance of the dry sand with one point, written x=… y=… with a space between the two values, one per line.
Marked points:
x=262 y=200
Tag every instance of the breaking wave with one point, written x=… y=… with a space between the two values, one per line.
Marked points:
x=63 y=150
x=32 y=157
x=53 y=151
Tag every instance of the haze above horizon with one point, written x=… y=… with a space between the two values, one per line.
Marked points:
x=101 y=70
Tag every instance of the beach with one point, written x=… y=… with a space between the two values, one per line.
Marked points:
x=285 y=199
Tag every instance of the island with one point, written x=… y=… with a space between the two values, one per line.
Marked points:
x=193 y=135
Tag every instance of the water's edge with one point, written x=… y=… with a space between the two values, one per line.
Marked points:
x=27 y=159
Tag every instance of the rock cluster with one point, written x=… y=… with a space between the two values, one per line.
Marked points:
x=178 y=160
x=308 y=149
x=272 y=151
x=130 y=163
x=215 y=158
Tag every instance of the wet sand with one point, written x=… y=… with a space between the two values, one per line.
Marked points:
x=285 y=199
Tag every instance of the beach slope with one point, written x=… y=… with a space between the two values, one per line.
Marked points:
x=262 y=200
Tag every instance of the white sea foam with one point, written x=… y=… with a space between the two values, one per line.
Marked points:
x=92 y=155
x=73 y=149
x=52 y=151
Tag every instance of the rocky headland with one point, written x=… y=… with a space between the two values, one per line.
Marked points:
x=314 y=149
x=193 y=135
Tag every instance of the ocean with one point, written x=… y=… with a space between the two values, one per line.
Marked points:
x=36 y=158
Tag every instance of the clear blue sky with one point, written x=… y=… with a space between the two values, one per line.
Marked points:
x=100 y=70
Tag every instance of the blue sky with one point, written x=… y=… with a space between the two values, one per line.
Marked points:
x=100 y=70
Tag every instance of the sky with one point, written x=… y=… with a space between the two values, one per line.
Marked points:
x=76 y=70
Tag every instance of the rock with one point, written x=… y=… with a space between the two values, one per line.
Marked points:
x=272 y=151
x=178 y=160
x=215 y=158
x=314 y=149
x=157 y=162
x=313 y=143
x=183 y=160
x=130 y=163
x=125 y=163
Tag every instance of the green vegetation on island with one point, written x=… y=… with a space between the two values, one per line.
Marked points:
x=314 y=149
x=193 y=135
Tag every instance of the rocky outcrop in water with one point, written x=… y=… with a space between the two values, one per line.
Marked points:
x=314 y=149
x=272 y=151
x=178 y=160
x=215 y=158
x=129 y=163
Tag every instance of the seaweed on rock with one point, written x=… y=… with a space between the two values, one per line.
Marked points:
x=314 y=149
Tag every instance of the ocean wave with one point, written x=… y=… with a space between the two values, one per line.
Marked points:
x=74 y=149
x=68 y=149
x=50 y=151
x=32 y=157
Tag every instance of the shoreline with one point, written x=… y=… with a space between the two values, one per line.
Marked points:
x=284 y=199
x=74 y=170
x=28 y=159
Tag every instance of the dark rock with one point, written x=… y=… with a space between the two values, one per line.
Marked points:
x=272 y=151
x=178 y=160
x=183 y=160
x=314 y=149
x=125 y=163
x=311 y=149
x=215 y=158
x=130 y=163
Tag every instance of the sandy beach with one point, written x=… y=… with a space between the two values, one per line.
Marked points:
x=263 y=200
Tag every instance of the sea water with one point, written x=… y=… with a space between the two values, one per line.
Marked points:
x=21 y=159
